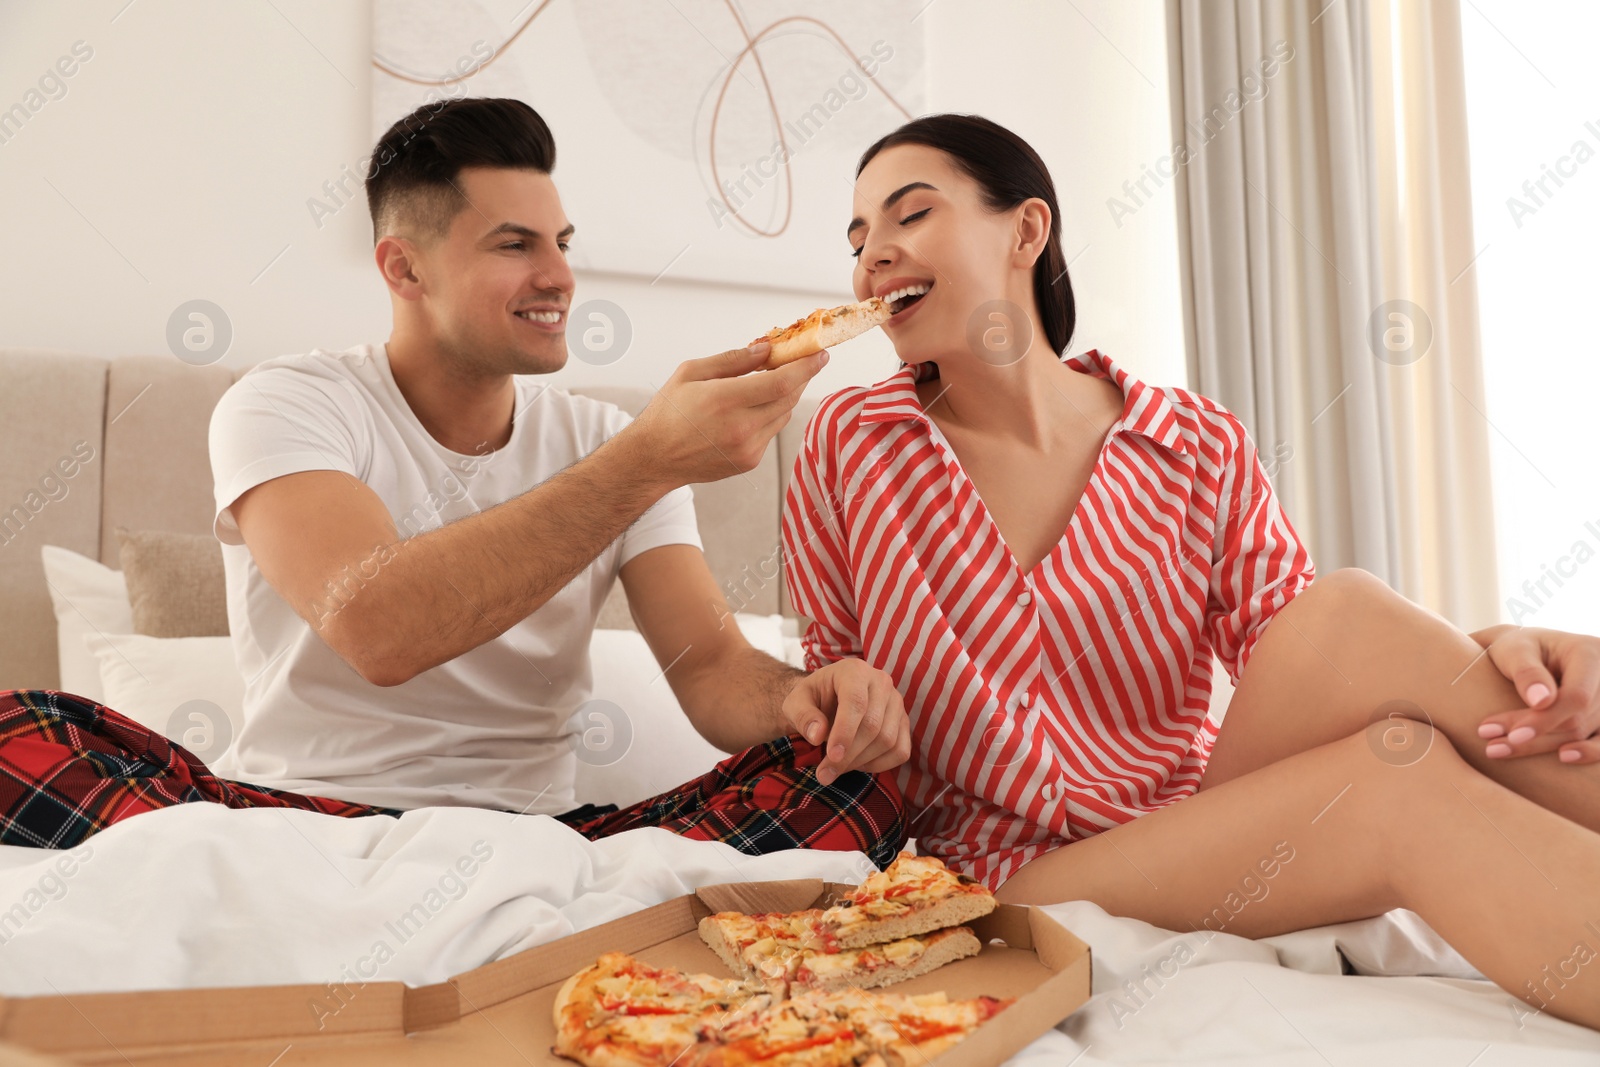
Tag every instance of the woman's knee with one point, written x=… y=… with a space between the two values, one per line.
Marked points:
x=1348 y=588
x=1401 y=737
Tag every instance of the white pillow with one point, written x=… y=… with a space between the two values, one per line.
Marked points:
x=634 y=740
x=184 y=688
x=89 y=599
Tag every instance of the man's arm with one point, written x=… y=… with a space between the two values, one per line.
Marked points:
x=737 y=696
x=393 y=607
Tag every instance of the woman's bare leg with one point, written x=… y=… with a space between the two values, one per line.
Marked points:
x=1348 y=650
x=1338 y=833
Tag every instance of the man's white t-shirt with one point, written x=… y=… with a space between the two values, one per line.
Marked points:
x=490 y=728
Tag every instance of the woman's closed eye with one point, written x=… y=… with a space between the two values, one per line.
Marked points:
x=913 y=217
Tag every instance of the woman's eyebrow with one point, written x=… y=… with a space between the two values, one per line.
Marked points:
x=888 y=202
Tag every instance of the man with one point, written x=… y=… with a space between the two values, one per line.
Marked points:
x=418 y=537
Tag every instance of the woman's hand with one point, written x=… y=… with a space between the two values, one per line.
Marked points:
x=856 y=711
x=1558 y=674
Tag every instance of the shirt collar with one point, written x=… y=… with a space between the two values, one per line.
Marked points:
x=1146 y=409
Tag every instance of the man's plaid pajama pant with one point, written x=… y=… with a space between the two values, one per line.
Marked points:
x=70 y=767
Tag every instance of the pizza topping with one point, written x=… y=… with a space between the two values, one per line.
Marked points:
x=635 y=1025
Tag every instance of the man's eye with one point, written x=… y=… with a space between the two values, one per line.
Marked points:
x=512 y=244
x=563 y=245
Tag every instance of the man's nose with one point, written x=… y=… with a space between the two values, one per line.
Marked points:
x=554 y=274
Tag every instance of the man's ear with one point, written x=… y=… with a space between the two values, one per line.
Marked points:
x=397 y=258
x=1032 y=231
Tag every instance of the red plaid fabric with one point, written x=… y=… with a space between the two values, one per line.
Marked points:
x=70 y=767
x=767 y=799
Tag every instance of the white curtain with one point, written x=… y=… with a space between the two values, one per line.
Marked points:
x=1326 y=231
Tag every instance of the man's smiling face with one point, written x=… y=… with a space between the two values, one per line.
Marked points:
x=496 y=287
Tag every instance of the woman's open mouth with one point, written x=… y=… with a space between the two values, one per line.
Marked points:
x=906 y=298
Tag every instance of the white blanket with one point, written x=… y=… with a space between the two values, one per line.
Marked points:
x=204 y=896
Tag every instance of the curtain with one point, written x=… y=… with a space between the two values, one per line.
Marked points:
x=1326 y=246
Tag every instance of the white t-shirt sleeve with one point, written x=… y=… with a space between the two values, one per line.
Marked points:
x=276 y=422
x=669 y=521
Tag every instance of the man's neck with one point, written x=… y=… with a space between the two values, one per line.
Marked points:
x=466 y=413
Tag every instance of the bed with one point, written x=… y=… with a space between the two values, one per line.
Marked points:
x=202 y=896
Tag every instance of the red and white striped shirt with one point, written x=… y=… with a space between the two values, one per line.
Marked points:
x=1052 y=705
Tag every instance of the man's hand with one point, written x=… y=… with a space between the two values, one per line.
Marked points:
x=1558 y=674
x=855 y=710
x=713 y=419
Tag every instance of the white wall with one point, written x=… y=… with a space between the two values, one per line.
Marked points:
x=178 y=163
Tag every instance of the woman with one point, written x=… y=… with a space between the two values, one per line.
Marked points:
x=1045 y=555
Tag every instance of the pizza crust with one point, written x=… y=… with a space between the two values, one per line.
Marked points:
x=713 y=934
x=564 y=994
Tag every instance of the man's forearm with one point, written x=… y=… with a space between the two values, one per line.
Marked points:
x=447 y=591
x=736 y=700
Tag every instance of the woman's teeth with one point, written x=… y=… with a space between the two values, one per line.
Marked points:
x=551 y=317
x=908 y=291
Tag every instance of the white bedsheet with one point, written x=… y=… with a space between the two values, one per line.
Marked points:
x=201 y=895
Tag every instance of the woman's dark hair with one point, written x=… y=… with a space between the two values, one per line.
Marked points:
x=1008 y=171
x=412 y=175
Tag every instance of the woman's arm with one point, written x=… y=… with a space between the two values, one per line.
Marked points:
x=1258 y=563
x=859 y=698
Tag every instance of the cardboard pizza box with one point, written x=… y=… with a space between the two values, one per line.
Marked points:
x=501 y=1012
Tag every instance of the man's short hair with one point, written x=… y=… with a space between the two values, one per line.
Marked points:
x=412 y=185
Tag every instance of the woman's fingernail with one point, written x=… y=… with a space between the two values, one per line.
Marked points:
x=1521 y=734
x=1570 y=755
x=1498 y=749
x=1537 y=692
x=1491 y=729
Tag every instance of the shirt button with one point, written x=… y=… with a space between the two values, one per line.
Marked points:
x=1049 y=792
x=1024 y=598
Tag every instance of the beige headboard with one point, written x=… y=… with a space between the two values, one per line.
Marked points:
x=145 y=419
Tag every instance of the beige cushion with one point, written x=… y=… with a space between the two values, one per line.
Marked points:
x=52 y=406
x=175 y=583
x=158 y=466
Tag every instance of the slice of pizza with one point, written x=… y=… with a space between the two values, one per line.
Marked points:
x=824 y=328
x=621 y=1012
x=913 y=895
x=885 y=964
x=788 y=954
x=765 y=948
x=900 y=923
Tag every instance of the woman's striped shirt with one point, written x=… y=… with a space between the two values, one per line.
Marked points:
x=1051 y=705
